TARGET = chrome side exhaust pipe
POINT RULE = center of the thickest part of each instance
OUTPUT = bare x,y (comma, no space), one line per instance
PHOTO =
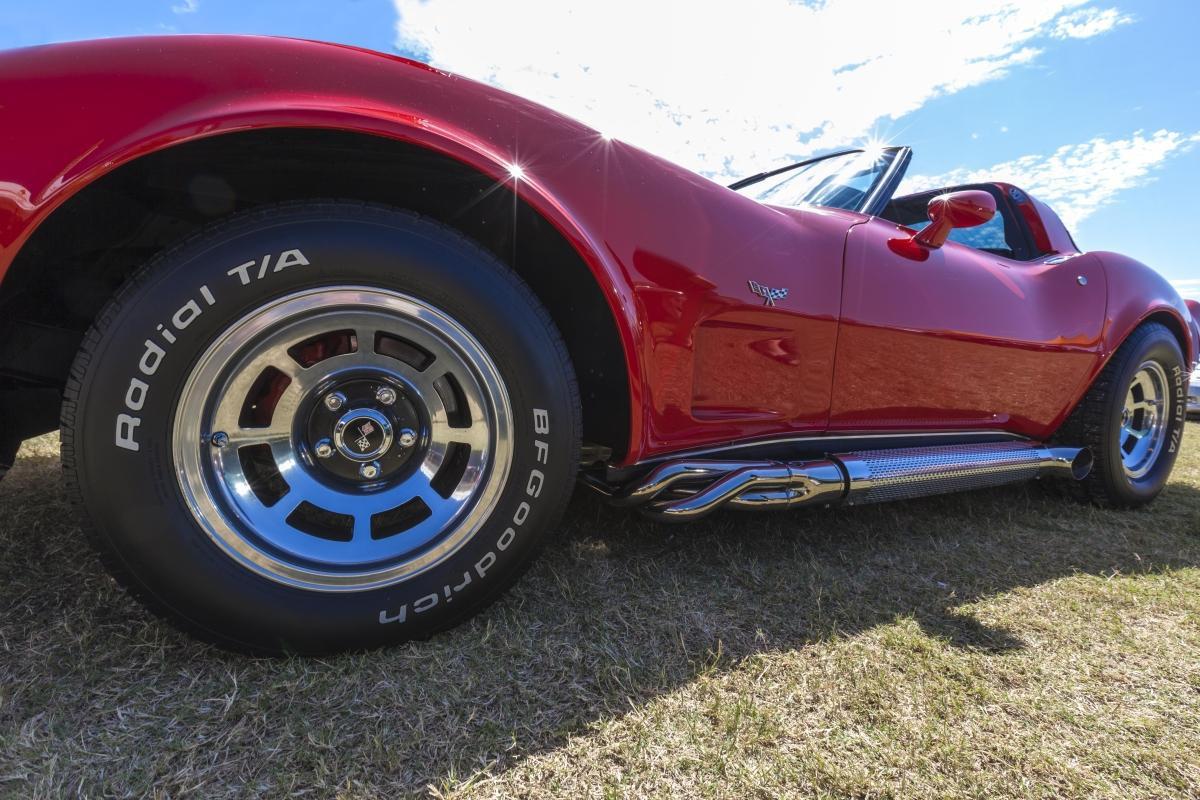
686,490
677,473
775,485
876,476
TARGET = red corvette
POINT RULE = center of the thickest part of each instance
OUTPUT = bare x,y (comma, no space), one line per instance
330,334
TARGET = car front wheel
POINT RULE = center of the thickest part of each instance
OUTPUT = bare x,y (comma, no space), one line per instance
321,426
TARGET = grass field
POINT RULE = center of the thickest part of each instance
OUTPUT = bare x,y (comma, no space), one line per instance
994,644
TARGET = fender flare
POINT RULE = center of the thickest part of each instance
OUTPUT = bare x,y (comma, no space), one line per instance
387,123
1136,293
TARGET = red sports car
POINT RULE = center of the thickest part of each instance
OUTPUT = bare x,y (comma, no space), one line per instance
329,335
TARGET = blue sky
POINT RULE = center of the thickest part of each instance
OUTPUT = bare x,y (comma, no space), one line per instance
1093,106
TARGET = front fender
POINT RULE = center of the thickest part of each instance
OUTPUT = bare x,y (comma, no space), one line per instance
72,113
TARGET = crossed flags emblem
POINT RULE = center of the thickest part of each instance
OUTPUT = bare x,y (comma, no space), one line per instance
768,294
364,432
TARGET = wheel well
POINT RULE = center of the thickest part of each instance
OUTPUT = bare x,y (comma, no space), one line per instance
86,249
1172,323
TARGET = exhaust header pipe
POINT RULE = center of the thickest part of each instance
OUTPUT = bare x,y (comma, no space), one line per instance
686,490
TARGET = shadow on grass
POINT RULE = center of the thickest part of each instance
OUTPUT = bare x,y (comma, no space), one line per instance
617,612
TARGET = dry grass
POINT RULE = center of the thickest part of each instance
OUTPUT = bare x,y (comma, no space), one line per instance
996,644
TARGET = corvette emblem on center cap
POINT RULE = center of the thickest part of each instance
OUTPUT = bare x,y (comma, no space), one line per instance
364,436
768,294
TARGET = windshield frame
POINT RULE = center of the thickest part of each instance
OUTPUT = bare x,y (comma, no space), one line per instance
875,199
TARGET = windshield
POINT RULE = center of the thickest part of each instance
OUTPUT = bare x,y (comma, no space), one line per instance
856,180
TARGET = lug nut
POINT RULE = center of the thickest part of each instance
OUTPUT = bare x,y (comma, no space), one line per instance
335,400
220,439
369,471
324,449
386,395
407,437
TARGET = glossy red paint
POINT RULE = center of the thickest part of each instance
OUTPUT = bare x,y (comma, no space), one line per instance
669,249
1137,293
1194,307
722,364
964,340
964,209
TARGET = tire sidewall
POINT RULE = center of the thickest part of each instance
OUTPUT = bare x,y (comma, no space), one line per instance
133,497
1160,346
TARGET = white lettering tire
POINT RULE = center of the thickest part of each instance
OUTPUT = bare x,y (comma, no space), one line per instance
321,426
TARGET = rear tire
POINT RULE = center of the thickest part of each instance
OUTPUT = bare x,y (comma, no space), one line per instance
1133,419
228,489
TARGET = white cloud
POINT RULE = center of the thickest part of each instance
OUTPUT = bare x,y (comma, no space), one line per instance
728,90
187,7
1088,22
1075,179
1188,287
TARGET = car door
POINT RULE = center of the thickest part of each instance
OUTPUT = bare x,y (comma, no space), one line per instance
727,364
741,293
967,339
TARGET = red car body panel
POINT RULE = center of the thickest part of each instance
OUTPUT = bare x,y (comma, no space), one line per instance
917,346
1136,292
1001,344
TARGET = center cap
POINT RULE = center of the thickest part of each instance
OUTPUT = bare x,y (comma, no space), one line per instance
362,434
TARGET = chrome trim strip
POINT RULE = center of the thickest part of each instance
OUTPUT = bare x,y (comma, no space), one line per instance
702,452
889,183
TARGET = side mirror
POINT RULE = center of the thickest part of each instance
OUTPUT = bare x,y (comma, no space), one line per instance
964,209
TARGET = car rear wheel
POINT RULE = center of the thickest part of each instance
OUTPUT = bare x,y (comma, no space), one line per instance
1132,418
321,426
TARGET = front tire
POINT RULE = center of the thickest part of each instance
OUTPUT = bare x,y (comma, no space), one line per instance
321,426
1133,419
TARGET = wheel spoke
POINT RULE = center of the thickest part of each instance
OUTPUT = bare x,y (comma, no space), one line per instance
1136,433
430,497
1138,388
249,437
475,404
362,528
287,505
306,487
228,414
477,437
423,384
366,336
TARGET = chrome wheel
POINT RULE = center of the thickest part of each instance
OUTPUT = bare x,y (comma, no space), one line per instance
1144,419
343,439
